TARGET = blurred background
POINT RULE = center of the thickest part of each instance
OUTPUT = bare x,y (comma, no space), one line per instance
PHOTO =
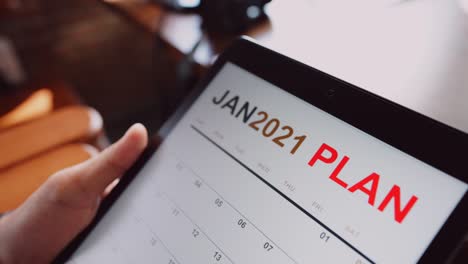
74,75
135,61
110,55
87,50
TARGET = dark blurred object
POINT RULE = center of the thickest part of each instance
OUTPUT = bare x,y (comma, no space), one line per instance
231,16
461,256
3,85
8,5
222,16
11,71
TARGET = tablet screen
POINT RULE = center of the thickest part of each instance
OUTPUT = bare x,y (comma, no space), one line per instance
252,174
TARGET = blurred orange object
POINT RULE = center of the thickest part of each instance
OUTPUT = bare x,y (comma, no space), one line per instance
18,182
70,124
39,103
41,132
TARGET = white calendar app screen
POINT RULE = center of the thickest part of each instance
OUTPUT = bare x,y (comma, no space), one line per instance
252,174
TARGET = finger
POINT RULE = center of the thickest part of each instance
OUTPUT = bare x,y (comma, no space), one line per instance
96,174
54,214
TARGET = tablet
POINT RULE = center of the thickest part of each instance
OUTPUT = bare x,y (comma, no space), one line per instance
272,161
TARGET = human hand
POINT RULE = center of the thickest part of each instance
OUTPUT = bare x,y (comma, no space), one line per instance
66,203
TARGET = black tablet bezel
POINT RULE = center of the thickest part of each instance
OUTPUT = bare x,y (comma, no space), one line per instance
419,136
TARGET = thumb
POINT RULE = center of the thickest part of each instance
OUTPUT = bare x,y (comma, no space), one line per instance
66,203
82,186
97,173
